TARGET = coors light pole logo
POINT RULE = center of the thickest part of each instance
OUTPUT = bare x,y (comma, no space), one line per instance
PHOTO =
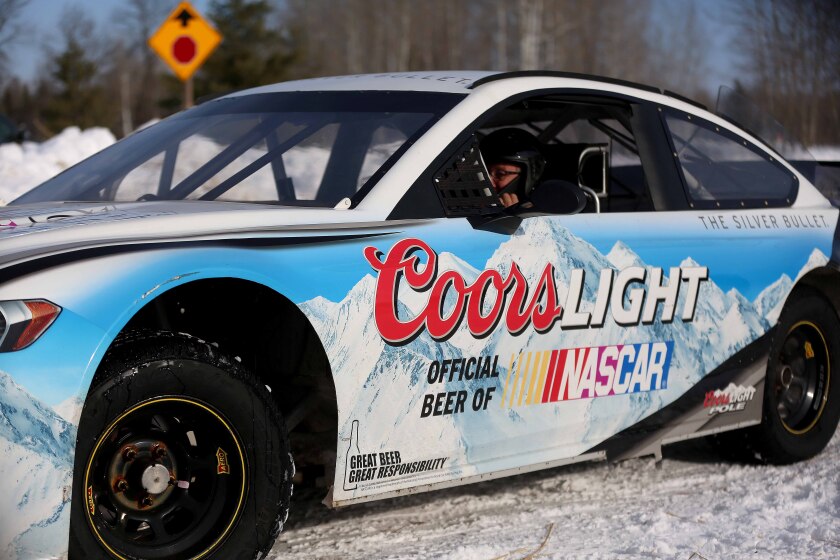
514,299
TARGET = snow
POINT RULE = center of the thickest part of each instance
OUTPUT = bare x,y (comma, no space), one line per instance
825,153
692,505
23,166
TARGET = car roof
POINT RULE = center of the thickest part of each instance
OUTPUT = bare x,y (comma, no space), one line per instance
438,81
456,81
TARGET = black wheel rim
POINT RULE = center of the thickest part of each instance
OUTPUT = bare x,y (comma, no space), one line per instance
165,480
802,379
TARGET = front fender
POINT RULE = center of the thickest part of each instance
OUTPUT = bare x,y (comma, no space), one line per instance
44,385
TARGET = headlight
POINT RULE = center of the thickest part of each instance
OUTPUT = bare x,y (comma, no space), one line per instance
23,321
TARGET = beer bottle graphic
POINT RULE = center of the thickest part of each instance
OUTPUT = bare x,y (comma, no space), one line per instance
352,449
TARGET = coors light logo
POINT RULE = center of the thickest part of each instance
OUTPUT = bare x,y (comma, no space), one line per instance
514,299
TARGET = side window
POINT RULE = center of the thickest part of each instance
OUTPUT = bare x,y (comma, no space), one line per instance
532,145
616,174
722,170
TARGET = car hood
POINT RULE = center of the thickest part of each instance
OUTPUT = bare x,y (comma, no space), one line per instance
30,231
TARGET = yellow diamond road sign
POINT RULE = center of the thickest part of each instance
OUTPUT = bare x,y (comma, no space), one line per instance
185,40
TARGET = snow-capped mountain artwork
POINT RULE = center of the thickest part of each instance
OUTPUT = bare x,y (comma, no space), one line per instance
351,339
31,424
388,401
38,447
768,304
816,259
621,256
771,296
70,409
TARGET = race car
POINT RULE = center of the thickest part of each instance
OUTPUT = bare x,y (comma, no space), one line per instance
330,273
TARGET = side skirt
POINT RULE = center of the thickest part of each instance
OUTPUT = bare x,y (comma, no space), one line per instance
693,415
685,418
593,456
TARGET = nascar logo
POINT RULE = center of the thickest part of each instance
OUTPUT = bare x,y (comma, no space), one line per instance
586,373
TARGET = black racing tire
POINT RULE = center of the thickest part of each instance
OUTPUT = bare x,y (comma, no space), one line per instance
181,453
802,389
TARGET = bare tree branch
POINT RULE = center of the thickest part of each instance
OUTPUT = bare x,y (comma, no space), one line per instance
11,30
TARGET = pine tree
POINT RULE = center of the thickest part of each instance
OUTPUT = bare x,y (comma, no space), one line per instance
77,99
252,53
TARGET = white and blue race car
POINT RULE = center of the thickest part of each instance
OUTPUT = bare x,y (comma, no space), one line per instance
404,282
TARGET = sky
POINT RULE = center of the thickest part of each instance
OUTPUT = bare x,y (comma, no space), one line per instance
42,17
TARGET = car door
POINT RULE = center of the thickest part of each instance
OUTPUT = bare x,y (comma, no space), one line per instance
597,355
590,322
533,338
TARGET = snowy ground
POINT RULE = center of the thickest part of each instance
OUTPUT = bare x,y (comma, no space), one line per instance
692,506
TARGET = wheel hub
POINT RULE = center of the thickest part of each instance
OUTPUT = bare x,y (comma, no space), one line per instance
801,387
157,487
142,474
156,479
786,376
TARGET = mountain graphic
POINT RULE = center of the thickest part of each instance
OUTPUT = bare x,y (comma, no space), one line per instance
37,447
391,373
770,301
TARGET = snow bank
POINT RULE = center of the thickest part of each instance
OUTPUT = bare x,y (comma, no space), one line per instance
23,166
825,153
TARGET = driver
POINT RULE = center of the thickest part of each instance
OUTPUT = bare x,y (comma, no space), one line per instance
514,163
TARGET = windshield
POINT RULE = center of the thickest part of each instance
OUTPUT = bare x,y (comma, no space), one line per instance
301,149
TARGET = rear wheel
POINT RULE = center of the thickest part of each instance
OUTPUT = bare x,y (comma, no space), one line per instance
181,454
802,391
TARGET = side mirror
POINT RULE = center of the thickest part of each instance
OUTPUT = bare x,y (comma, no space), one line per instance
553,197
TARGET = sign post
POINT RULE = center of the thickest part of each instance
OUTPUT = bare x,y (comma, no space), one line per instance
184,41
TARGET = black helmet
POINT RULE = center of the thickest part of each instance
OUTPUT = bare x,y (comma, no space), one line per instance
519,147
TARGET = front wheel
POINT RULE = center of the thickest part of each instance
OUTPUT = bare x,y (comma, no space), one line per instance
802,389
181,454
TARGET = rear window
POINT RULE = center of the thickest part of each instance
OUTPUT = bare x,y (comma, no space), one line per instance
722,170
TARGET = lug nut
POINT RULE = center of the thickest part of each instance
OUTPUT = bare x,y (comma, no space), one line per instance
159,451
146,501
121,485
129,453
